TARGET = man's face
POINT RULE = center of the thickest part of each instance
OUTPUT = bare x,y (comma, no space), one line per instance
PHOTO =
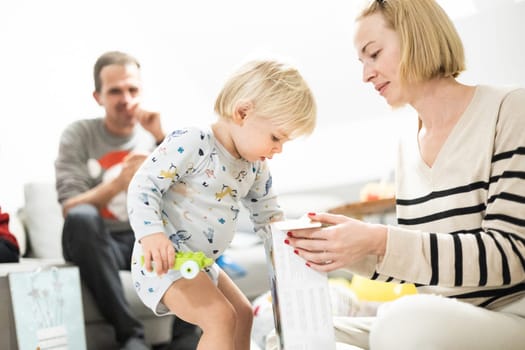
120,95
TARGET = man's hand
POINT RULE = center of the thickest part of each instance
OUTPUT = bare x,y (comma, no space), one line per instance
151,122
158,248
130,165
101,194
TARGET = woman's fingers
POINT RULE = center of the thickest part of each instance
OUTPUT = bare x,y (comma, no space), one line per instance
324,249
320,261
321,257
328,219
319,233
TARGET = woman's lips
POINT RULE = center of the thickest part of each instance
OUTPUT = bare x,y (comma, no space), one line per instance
381,88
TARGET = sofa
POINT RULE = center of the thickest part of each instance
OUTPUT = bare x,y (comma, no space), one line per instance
38,228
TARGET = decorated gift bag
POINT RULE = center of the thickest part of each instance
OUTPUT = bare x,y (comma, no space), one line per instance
47,307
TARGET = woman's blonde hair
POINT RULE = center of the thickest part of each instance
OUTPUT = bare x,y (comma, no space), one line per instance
276,91
430,44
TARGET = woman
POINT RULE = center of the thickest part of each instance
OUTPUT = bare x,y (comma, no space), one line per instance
460,189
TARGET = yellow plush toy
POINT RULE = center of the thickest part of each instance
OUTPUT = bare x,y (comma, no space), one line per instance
370,290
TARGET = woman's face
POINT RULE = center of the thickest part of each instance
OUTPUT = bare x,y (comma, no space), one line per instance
378,50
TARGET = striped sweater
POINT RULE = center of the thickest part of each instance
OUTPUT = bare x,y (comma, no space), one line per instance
461,222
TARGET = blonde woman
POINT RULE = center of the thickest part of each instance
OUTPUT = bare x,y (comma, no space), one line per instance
460,190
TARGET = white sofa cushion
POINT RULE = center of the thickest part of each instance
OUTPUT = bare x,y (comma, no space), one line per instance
17,229
43,219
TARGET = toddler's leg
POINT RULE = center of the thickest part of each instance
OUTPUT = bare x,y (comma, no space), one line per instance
200,302
243,310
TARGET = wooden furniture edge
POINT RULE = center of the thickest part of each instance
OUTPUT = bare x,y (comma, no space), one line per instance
360,209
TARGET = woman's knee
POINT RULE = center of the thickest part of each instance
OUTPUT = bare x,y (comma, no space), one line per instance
412,322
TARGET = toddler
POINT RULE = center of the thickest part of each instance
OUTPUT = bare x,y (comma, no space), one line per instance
187,195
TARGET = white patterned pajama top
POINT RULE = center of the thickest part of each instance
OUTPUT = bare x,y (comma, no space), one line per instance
191,188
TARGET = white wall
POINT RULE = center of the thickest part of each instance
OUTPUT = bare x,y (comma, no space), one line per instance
494,40
187,50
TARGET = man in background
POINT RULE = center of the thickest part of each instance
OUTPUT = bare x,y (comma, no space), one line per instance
96,160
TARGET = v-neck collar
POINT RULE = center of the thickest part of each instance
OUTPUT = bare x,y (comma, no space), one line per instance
450,140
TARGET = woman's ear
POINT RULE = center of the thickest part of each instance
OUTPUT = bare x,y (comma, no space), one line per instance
242,111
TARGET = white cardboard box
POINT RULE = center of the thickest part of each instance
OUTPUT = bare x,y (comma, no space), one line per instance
300,295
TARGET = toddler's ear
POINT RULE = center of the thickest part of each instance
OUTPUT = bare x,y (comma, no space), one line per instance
242,110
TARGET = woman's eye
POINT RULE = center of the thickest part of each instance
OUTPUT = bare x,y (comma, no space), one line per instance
375,54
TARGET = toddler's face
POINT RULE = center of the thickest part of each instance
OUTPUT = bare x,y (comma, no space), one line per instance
258,138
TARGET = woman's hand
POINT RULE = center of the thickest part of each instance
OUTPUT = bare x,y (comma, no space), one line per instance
342,241
158,249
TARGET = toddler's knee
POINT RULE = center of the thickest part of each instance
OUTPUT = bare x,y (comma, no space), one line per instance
222,315
245,313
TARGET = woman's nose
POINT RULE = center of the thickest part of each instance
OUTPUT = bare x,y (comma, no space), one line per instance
368,72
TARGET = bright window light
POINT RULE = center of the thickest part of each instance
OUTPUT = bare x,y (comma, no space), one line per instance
459,9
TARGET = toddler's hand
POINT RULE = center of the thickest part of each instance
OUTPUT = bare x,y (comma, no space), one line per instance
158,249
